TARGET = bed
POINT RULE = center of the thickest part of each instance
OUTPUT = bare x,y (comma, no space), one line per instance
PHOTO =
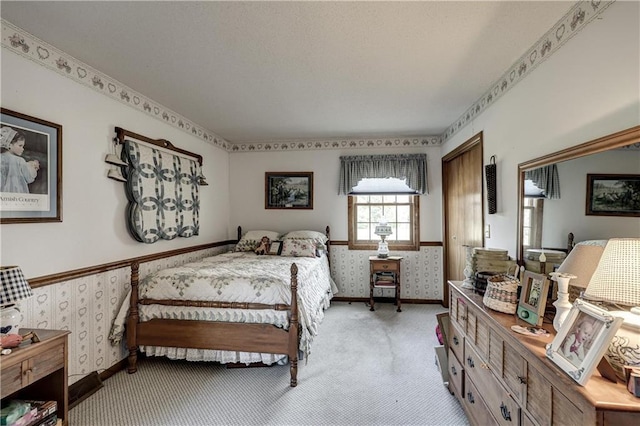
233,308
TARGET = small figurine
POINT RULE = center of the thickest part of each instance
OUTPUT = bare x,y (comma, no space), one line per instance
264,246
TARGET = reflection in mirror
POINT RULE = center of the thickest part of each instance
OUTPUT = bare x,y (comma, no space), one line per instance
552,200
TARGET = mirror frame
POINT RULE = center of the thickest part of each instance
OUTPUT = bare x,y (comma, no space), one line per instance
605,143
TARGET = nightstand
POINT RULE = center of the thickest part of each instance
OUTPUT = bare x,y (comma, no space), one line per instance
38,371
384,272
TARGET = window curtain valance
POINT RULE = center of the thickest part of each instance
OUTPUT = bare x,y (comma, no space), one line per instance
546,178
411,167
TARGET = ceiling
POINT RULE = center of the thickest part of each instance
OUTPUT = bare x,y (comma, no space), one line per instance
265,71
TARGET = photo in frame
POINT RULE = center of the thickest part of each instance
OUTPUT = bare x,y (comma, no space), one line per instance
30,170
288,190
582,340
613,195
533,298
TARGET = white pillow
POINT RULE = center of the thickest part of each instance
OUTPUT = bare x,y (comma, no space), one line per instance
306,235
257,235
250,240
298,247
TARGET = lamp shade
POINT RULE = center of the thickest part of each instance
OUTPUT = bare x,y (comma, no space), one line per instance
14,286
617,276
383,229
581,262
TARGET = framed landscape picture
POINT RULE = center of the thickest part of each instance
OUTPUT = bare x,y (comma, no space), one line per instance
288,190
31,169
613,195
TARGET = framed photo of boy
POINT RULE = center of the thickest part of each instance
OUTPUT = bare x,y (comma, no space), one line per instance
288,190
582,340
30,169
613,195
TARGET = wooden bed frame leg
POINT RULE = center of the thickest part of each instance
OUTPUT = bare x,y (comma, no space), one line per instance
294,372
132,320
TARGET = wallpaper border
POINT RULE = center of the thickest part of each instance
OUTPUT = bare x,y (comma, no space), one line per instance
24,44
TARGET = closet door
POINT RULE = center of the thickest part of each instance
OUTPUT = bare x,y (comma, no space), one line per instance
463,208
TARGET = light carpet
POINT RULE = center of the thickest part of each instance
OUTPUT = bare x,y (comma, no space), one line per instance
365,368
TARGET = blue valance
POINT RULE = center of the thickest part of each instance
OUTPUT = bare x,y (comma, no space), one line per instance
410,167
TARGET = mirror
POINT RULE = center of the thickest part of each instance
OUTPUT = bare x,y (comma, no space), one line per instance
546,222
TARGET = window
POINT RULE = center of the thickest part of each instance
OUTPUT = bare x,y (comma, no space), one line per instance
532,222
401,211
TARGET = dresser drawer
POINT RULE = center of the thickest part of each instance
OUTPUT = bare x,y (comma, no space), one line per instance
456,376
475,367
382,265
475,405
32,369
505,410
456,341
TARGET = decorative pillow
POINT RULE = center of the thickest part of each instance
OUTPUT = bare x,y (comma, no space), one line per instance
311,235
251,239
298,248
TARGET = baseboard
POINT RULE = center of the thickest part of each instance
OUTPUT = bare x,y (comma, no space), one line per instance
83,388
387,299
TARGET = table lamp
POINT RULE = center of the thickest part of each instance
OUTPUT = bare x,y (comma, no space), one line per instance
383,230
14,289
575,270
616,280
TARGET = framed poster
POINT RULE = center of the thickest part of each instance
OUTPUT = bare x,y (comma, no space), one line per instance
613,195
30,170
288,190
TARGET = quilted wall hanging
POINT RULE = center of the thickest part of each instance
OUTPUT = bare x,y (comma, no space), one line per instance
162,189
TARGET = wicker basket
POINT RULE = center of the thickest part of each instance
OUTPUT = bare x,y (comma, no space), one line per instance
502,294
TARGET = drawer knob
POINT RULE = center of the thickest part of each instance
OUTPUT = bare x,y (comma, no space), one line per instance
470,398
506,414
453,370
455,340
522,380
470,362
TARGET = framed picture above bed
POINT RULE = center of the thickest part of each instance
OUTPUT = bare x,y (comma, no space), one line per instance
613,195
31,169
288,190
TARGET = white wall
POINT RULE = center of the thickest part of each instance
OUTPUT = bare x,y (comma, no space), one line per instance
93,230
587,89
567,214
247,191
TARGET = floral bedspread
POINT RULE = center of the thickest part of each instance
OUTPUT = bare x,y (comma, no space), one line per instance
235,277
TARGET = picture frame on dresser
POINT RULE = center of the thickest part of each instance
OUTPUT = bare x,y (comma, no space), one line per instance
582,340
31,169
533,298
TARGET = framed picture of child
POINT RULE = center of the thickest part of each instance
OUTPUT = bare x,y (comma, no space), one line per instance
582,340
30,169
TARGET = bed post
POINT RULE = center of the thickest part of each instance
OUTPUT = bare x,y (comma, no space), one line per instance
132,320
293,327
239,233
328,234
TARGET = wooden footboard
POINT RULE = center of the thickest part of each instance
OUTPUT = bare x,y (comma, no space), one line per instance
244,337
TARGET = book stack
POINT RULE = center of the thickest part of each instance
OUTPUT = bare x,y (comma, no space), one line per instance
384,279
493,260
18,412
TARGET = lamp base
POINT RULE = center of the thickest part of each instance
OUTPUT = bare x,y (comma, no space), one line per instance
9,320
383,249
563,306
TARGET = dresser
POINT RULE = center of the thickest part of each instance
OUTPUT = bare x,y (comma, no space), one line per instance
502,377
38,371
